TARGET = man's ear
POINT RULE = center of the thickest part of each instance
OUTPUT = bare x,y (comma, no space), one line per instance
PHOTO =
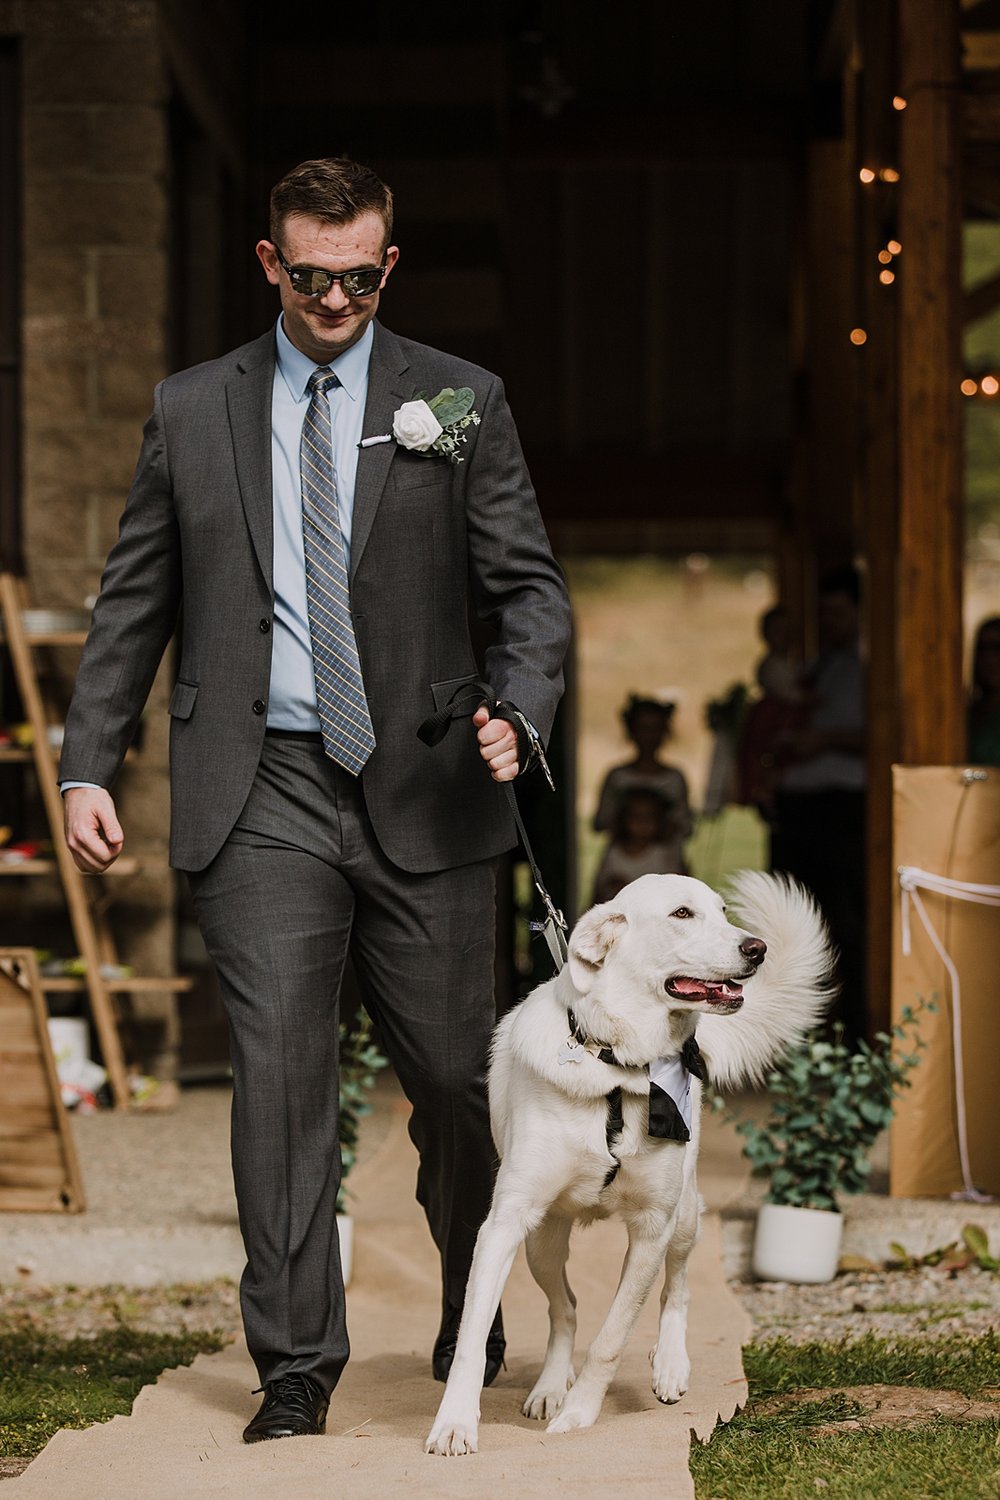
591,941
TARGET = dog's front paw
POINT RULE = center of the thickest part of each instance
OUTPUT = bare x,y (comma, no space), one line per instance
574,1415
671,1374
453,1435
546,1398
451,1438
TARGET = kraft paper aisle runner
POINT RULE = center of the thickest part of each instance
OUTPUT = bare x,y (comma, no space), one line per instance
183,1438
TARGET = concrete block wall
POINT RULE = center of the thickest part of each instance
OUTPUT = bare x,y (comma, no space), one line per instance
96,207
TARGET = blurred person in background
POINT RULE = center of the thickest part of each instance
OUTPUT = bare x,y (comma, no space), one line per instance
648,723
645,840
818,834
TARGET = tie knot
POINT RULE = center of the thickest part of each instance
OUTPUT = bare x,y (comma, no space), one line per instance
322,380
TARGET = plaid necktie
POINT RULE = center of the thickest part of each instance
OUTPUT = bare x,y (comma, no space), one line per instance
340,691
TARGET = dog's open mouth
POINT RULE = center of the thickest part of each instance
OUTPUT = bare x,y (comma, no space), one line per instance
725,993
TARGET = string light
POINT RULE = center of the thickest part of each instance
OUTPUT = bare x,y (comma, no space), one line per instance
898,102
889,174
894,247
969,386
989,385
887,277
866,174
858,336
885,256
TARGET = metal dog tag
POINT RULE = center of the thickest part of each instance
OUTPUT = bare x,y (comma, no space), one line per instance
570,1051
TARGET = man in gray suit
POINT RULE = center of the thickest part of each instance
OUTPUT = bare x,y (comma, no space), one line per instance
327,548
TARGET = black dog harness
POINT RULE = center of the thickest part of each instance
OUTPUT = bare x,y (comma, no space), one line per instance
666,1123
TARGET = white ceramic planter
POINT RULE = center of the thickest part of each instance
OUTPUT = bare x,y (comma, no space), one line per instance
796,1244
345,1228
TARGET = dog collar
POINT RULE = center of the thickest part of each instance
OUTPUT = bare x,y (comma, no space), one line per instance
669,1087
578,1041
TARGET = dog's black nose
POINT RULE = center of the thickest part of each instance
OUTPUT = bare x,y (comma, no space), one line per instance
753,949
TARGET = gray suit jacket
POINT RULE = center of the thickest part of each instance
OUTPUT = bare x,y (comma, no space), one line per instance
428,538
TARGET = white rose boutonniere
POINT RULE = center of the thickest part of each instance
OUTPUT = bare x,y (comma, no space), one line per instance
436,427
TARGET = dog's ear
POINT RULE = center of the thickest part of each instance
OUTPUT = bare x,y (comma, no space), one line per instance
591,941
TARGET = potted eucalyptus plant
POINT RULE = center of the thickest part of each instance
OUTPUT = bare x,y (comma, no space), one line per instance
828,1105
360,1061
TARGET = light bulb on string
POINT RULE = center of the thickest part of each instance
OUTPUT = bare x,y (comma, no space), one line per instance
894,247
885,256
888,174
867,175
969,386
887,277
859,336
898,102
989,385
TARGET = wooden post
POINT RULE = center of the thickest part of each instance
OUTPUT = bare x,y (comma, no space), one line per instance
877,147
929,619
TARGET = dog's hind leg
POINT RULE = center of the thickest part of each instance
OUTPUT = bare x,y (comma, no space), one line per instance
646,1249
547,1249
671,1365
456,1426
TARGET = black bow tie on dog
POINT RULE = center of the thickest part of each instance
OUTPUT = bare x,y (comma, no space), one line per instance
666,1123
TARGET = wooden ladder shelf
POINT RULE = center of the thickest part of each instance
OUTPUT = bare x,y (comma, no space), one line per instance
84,894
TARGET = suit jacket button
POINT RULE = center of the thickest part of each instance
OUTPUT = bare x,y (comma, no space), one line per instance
265,625
259,706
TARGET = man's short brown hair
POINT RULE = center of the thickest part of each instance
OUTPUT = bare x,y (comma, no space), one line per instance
333,189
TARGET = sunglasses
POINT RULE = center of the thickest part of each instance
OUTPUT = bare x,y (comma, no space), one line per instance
311,281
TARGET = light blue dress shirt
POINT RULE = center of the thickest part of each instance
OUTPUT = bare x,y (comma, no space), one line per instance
292,698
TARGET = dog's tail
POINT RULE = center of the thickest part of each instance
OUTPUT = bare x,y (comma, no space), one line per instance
790,993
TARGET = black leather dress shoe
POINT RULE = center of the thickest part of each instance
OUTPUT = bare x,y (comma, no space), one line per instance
444,1346
293,1406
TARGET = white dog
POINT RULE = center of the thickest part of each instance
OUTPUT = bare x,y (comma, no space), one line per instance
572,1104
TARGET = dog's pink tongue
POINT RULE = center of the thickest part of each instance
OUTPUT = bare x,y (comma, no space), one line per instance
683,986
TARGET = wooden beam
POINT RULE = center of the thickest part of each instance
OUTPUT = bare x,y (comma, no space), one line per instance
929,617
877,141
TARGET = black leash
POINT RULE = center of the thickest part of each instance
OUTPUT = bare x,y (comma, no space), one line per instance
464,703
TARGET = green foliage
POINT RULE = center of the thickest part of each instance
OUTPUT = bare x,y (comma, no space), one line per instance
451,406
829,1105
360,1060
47,1382
974,1250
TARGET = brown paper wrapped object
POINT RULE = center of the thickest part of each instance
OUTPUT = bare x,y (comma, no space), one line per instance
947,823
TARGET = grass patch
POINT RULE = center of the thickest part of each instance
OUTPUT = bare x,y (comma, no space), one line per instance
954,1364
775,1461
779,1457
47,1383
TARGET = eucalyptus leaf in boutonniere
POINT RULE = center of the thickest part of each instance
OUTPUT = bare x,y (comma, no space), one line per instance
436,427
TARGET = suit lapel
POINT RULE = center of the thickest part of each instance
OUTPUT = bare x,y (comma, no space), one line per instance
248,396
387,389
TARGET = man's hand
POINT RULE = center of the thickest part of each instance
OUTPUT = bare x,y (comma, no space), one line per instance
497,744
93,832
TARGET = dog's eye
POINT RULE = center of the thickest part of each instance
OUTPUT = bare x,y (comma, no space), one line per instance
682,911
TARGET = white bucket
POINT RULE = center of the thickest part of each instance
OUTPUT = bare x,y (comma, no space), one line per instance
796,1244
70,1039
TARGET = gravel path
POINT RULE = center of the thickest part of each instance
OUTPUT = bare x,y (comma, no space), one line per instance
929,1303
926,1303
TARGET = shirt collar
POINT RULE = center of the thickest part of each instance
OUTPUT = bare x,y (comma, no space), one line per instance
351,367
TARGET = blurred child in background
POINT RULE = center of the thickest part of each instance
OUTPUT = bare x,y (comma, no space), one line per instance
664,825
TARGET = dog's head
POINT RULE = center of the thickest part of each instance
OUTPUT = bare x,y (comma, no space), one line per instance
667,934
